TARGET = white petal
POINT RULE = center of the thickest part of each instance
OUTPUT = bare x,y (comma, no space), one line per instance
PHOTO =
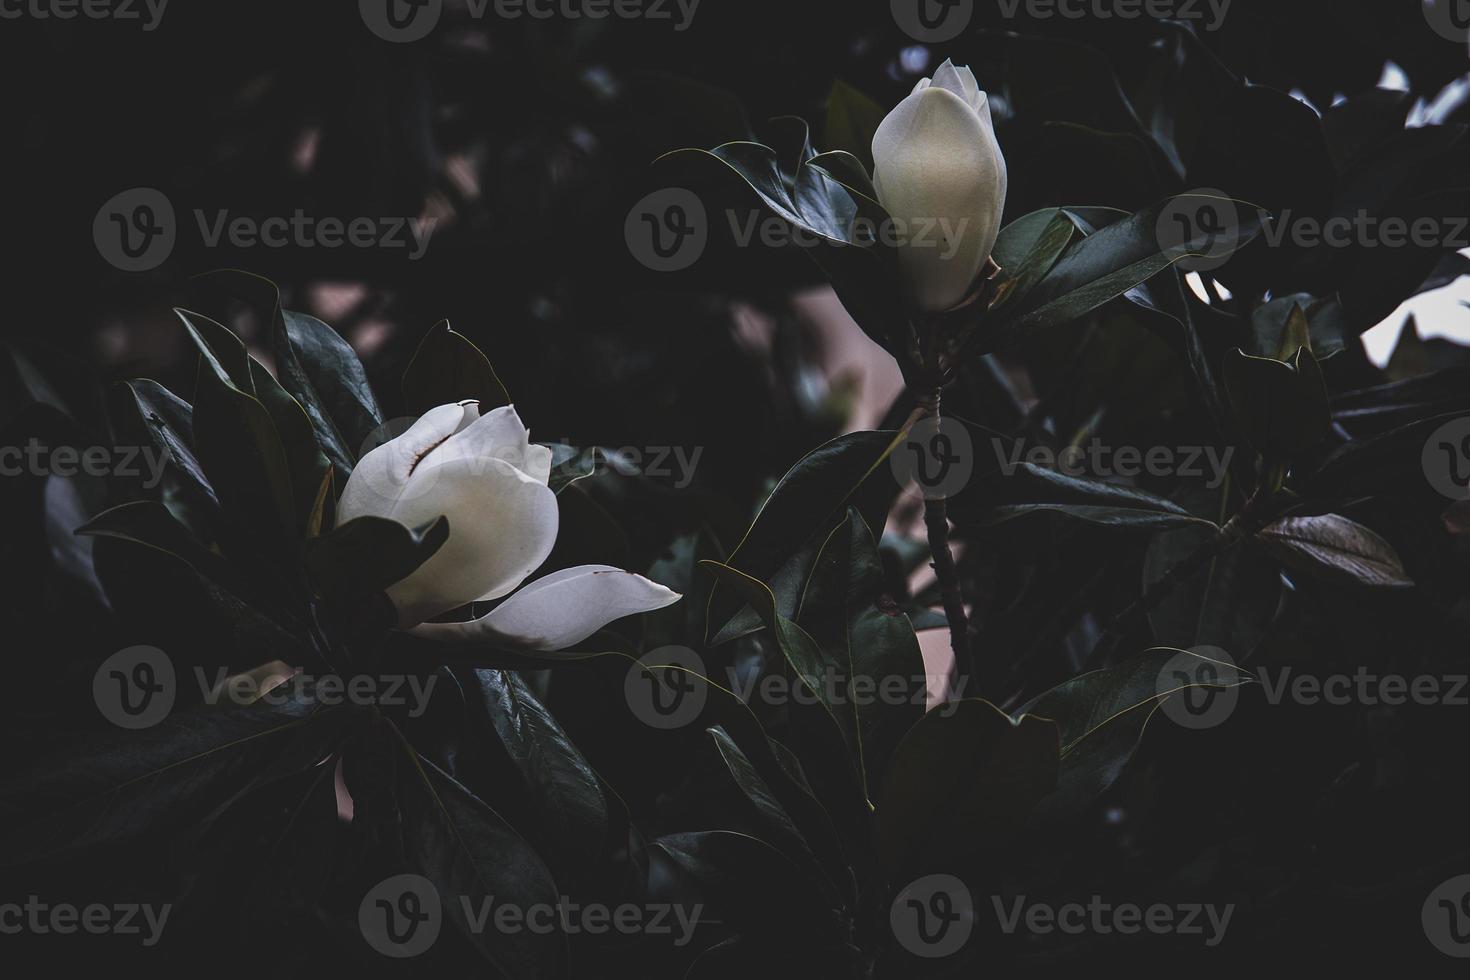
381,476
560,609
937,167
960,81
502,525
922,84
538,463
499,435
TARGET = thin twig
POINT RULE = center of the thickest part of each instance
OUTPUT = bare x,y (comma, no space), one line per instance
936,524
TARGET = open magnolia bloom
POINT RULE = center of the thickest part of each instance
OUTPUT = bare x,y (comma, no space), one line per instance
485,476
939,172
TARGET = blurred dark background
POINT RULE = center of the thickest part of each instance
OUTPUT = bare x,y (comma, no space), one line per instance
527,142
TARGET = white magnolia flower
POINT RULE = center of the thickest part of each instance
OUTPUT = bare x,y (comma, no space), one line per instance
483,474
939,172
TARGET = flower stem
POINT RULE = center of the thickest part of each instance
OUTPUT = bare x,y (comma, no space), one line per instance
936,523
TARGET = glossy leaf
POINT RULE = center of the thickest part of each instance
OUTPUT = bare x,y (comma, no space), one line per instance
1037,489
368,554
1332,547
812,496
964,777
869,640
446,368
1102,714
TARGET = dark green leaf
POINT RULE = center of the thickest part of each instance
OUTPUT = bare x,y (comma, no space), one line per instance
809,499
368,554
562,785
144,408
1034,489
1102,714
780,832
869,640
449,368
852,119
1103,266
120,785
477,862
964,777
1281,407
1334,548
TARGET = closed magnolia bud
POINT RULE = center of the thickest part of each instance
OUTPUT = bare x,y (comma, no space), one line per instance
939,173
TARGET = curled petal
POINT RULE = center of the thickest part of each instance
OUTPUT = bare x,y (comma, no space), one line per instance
502,525
498,435
382,475
960,81
560,609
